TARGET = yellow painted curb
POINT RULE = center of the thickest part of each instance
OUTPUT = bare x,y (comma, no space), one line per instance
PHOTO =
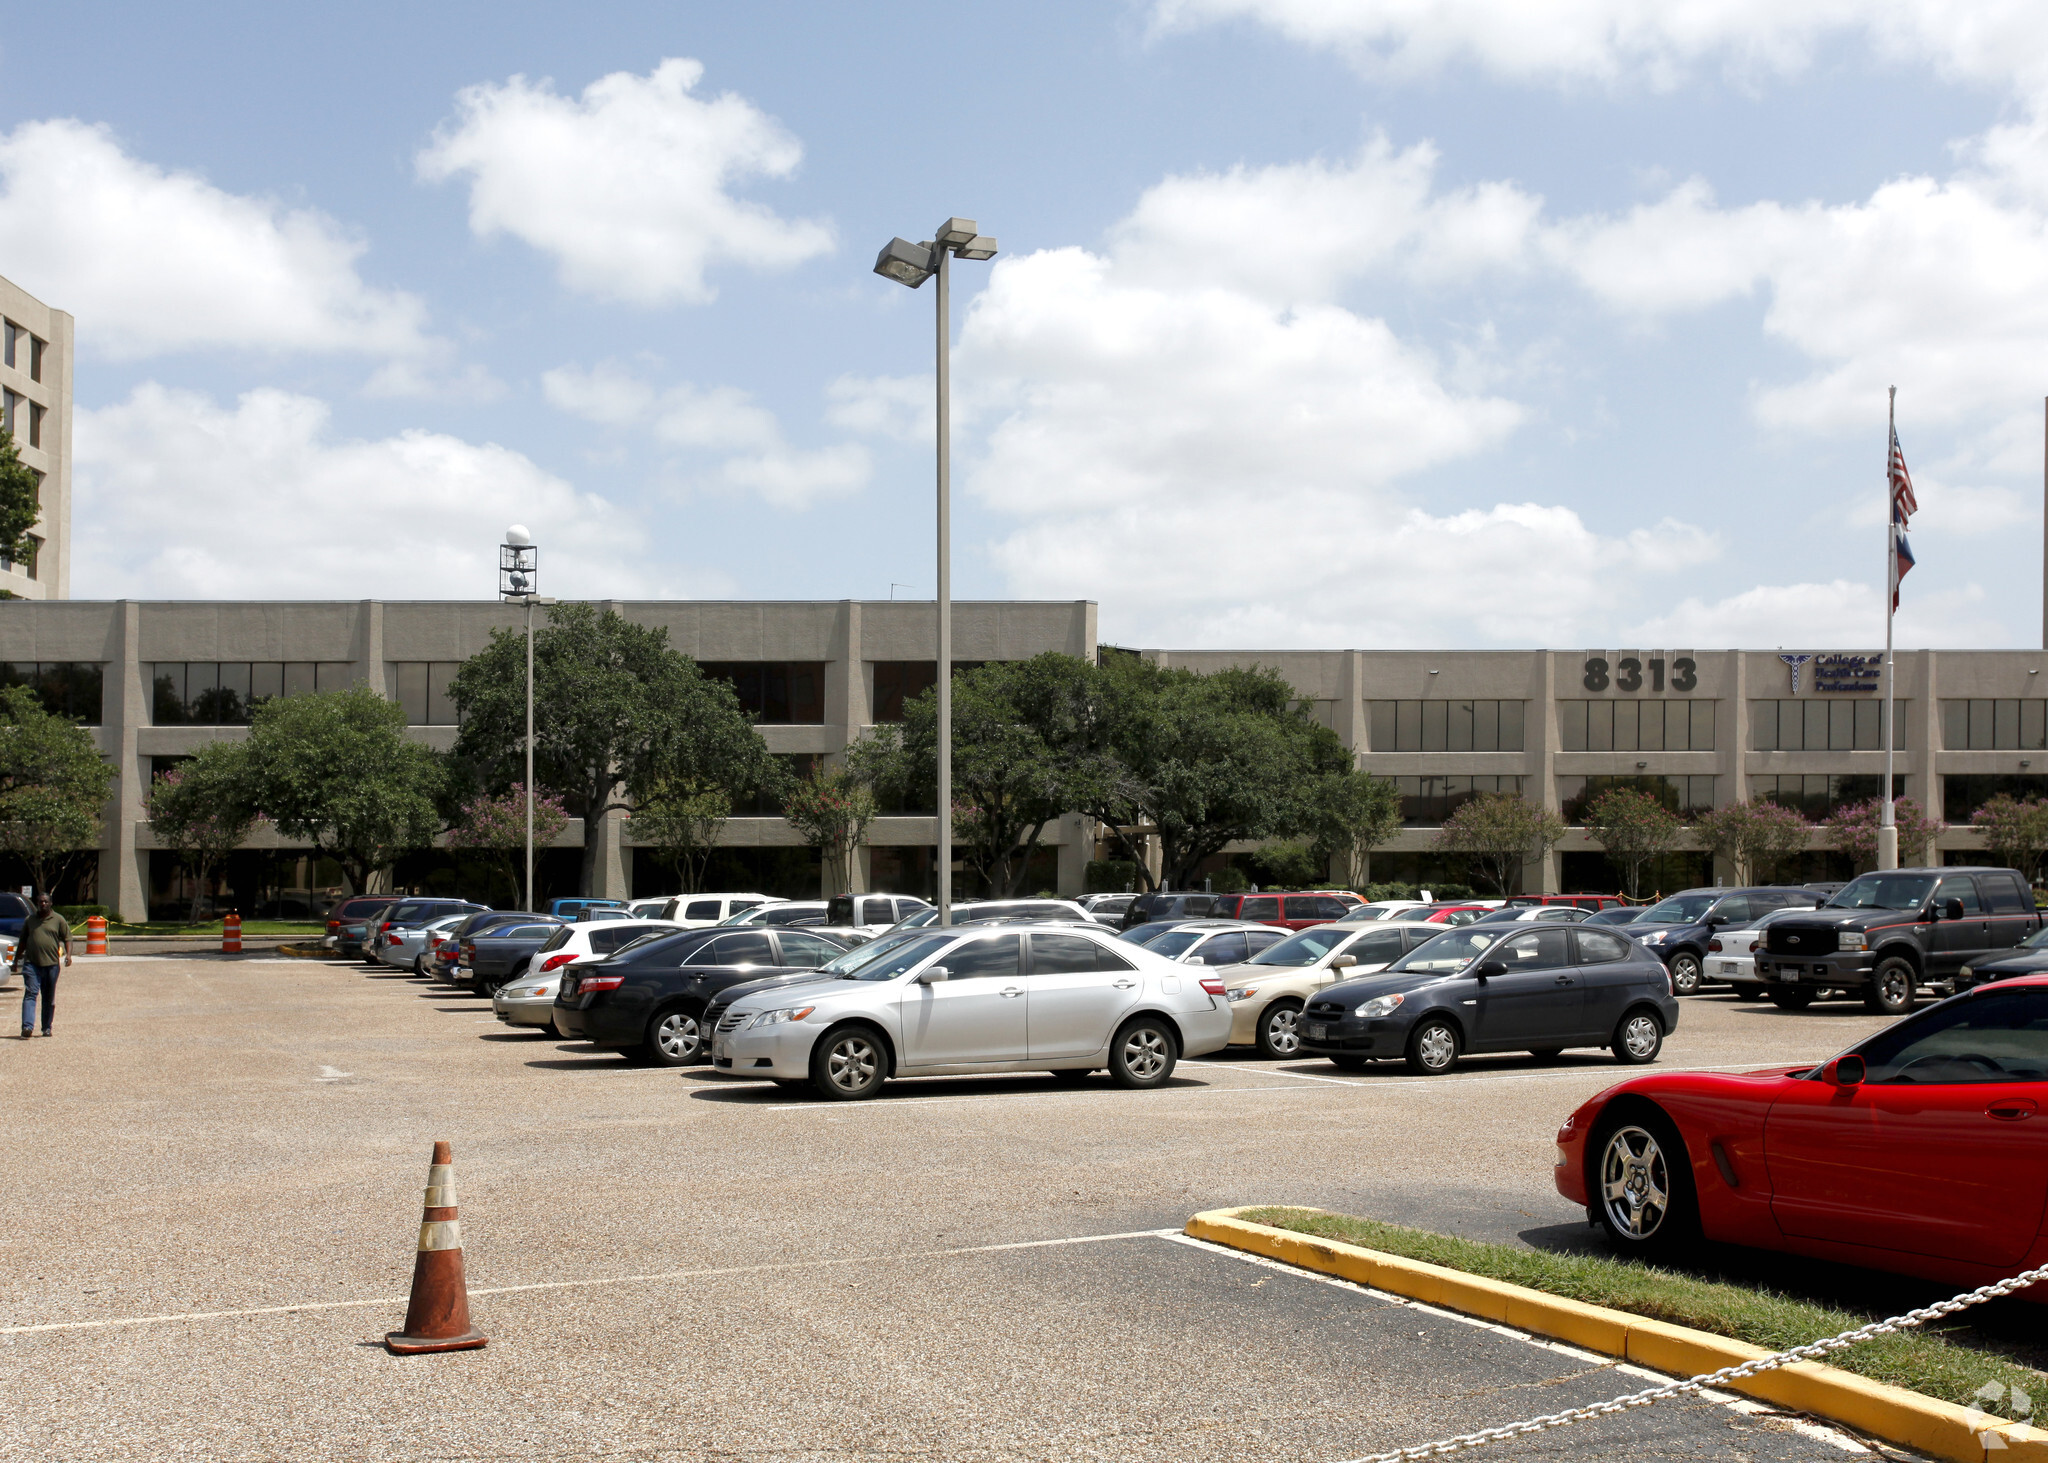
1891,1413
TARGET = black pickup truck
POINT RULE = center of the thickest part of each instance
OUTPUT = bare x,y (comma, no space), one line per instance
649,1001
1891,933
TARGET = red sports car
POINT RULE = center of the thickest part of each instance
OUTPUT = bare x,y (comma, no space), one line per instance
1921,1150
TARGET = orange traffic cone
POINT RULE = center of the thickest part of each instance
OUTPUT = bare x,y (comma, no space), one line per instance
438,1317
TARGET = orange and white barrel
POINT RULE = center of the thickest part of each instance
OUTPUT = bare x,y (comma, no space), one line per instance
96,935
231,934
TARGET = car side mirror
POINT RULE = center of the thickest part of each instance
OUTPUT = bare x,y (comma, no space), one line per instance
1343,962
935,975
1952,909
1490,968
1717,920
1847,1071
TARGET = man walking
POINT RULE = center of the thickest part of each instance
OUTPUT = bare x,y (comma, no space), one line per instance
45,947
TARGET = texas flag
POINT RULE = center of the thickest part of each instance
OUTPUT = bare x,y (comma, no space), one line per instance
1904,505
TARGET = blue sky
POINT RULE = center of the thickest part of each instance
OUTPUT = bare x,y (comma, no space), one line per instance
1318,322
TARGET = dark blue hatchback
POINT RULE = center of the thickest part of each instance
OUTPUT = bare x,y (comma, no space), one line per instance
1676,930
13,911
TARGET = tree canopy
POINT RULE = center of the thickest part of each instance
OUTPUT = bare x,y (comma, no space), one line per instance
337,770
1852,829
2015,832
54,786
1498,832
202,810
1633,827
618,715
19,507
1756,837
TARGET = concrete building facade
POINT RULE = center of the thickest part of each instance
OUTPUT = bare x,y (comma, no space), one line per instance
35,405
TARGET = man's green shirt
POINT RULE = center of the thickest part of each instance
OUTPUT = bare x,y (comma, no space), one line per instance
45,939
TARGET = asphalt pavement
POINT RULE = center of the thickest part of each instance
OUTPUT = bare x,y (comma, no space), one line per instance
213,1188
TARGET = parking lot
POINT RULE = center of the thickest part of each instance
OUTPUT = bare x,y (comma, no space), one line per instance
680,1265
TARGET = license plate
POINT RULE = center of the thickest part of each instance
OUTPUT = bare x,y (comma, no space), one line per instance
1727,967
1789,974
1317,1031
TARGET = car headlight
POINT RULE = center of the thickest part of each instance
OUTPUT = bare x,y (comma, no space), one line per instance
1241,993
1655,937
1849,940
1380,1006
1965,973
787,1013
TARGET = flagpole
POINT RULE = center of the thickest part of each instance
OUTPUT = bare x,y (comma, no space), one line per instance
1887,826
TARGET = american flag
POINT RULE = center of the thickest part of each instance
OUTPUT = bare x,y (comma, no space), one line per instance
1904,506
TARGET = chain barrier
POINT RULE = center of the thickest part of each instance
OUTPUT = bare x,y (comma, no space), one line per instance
1812,1351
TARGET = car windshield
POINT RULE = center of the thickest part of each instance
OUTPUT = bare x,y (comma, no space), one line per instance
1305,948
1145,934
1771,917
1616,917
860,955
1884,891
2037,940
902,958
1450,951
1173,943
1679,909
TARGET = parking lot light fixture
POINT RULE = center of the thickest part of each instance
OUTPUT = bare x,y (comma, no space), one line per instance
519,583
912,264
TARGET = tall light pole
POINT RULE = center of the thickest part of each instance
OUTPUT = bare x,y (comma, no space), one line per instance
912,264
519,583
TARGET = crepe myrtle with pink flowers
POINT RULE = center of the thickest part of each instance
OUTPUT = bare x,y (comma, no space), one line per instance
495,824
1852,829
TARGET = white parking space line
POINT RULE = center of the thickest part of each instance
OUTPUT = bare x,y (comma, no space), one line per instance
1037,1094
596,1281
1478,1077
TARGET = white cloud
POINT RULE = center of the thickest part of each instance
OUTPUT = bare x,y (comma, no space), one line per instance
902,407
718,419
628,188
150,260
180,497
1842,614
1656,43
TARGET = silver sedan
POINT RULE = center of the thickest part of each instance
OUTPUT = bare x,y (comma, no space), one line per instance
529,1001
1067,999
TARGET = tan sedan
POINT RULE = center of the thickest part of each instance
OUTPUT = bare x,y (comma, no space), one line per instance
1267,992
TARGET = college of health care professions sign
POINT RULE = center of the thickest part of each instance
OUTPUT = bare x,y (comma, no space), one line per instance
1836,672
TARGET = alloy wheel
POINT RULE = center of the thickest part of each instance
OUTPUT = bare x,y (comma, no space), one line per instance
1635,1182
852,1062
678,1036
1146,1053
1685,974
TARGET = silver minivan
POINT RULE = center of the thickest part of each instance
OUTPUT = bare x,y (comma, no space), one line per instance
1069,1000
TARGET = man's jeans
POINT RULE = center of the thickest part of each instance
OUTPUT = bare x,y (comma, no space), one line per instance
34,977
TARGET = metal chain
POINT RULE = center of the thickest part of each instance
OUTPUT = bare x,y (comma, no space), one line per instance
1812,1351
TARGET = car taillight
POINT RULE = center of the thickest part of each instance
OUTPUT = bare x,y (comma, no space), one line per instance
1213,985
1713,944
599,983
385,926
394,940
554,960
433,942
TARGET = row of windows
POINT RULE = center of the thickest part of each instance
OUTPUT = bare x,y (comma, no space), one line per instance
898,681
225,693
1815,795
1444,726
1819,724
1635,726
1994,726
421,687
69,688
11,414
1685,796
13,339
1427,801
774,692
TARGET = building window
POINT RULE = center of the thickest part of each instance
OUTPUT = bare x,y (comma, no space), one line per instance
775,692
68,688
1963,794
225,693
898,681
1635,726
1994,726
757,804
36,347
1822,724
35,425
1685,796
12,333
421,687
10,409
27,567
1427,801
1444,726
1817,794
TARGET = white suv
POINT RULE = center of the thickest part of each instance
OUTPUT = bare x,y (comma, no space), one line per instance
694,911
1069,1000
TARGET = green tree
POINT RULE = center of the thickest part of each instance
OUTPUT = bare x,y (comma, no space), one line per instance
679,827
1632,828
201,810
1019,743
337,770
495,825
1352,813
19,507
1755,837
2015,832
1498,832
831,809
618,713
54,787
1852,829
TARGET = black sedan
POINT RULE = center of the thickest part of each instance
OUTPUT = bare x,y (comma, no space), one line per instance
649,999
1491,988
2029,957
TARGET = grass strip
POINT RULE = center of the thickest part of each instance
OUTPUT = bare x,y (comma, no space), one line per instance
1919,1360
178,927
